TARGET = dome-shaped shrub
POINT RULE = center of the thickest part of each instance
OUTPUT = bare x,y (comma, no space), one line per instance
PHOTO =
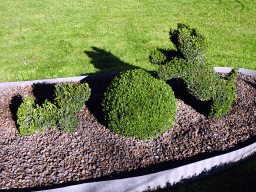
135,104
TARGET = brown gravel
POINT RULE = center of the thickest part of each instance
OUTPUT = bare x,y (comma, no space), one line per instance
92,153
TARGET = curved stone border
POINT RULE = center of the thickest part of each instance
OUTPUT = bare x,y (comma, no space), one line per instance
161,179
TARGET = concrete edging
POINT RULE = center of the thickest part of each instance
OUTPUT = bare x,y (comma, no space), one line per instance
159,179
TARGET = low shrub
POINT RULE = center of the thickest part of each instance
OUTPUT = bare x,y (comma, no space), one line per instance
199,77
135,104
69,98
32,118
66,120
189,42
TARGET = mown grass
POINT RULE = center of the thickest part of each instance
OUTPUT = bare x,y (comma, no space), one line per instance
50,39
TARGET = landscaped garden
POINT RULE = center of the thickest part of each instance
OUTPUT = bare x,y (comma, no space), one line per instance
76,38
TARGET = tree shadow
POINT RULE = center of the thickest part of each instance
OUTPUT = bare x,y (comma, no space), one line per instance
107,62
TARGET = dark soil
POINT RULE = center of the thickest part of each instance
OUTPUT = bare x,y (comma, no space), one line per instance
92,153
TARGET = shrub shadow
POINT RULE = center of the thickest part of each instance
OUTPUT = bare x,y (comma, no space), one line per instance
250,83
42,92
107,62
171,54
98,87
15,103
180,92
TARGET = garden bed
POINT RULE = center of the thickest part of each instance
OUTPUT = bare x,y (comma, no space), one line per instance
93,153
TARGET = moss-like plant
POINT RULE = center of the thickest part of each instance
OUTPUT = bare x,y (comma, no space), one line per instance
71,96
201,82
135,104
176,68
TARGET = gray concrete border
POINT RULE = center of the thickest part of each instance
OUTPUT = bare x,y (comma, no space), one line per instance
160,179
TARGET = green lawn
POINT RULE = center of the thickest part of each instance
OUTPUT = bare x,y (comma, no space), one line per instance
52,38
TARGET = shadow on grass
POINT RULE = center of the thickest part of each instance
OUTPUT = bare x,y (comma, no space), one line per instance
107,62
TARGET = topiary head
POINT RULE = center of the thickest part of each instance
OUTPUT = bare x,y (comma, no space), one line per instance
190,42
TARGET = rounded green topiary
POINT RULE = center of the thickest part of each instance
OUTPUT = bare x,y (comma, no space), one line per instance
135,104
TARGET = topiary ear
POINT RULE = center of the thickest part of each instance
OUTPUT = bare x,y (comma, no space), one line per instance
190,42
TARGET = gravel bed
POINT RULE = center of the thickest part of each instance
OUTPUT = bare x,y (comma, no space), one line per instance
92,153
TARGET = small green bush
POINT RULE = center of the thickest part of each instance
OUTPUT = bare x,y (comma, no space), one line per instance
66,120
33,118
189,42
136,104
69,98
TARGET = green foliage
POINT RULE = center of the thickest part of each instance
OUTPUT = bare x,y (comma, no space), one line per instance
136,104
33,118
69,98
201,82
66,120
225,95
176,68
189,42
156,56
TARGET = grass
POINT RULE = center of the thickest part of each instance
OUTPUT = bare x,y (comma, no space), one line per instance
52,38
